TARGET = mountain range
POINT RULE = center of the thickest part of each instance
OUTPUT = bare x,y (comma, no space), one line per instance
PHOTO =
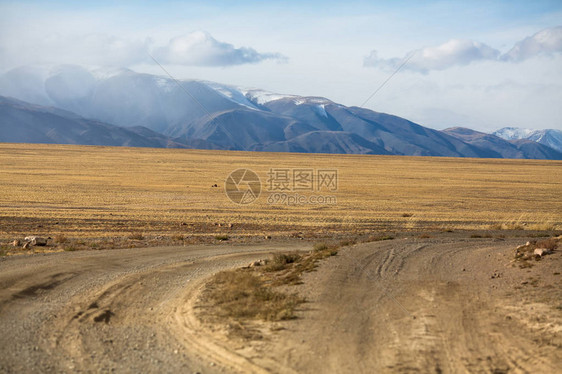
75,105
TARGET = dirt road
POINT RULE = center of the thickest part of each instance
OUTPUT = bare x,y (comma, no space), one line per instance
444,305
112,310
438,305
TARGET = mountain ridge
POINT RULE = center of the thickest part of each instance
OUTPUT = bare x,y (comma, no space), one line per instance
156,110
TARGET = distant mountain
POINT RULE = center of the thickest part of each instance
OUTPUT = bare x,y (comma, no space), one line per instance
123,107
21,122
501,148
549,137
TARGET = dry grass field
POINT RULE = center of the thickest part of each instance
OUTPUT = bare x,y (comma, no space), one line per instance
93,191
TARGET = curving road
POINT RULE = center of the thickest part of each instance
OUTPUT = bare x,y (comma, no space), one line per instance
112,311
443,305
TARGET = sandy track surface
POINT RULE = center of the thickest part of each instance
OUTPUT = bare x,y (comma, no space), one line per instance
117,310
442,305
428,306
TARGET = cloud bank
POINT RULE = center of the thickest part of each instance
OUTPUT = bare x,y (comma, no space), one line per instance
456,52
195,49
545,42
201,49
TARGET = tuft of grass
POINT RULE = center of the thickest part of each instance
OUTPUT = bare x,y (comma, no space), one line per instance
179,237
60,239
70,248
245,295
375,238
321,246
281,261
347,242
222,237
136,236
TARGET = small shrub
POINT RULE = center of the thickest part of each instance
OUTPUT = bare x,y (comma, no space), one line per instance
281,261
407,215
70,248
136,236
244,295
221,237
379,238
347,242
178,237
60,239
551,244
321,246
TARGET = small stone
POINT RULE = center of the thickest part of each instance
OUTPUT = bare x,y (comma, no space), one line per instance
541,251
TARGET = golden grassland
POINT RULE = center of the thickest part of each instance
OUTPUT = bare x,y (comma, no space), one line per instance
95,191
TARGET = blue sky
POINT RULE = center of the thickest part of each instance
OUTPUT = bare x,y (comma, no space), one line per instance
480,64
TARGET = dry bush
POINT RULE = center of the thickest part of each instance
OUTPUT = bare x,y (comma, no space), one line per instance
378,238
60,239
320,246
136,236
281,261
347,242
244,295
551,244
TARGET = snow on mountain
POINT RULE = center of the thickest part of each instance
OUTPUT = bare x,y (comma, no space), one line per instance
549,137
512,133
235,94
262,97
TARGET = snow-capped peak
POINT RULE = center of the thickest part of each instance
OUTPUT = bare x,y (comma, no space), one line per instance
512,133
263,97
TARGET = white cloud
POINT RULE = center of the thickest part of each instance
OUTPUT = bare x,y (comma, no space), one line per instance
196,49
545,42
458,52
201,49
455,52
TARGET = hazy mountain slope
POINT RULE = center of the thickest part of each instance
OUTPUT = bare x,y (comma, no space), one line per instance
210,115
548,137
21,122
324,142
505,148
